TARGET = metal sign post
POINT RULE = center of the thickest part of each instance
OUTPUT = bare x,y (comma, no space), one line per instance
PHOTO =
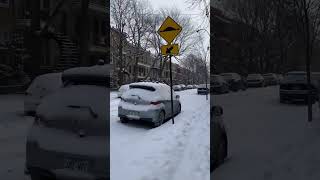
169,30
171,89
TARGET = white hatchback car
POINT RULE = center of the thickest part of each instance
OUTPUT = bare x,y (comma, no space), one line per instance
40,87
123,89
146,101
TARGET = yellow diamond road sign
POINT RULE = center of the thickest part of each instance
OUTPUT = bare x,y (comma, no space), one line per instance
172,49
169,30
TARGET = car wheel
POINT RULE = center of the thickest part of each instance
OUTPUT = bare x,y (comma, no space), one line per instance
161,118
124,120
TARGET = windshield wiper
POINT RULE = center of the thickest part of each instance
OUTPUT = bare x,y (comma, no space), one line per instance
94,114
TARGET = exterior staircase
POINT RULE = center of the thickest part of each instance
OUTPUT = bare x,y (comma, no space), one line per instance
69,52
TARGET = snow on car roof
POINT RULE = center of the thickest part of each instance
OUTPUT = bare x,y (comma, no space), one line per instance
97,70
49,81
151,84
92,73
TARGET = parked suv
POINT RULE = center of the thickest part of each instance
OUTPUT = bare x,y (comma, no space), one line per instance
218,138
235,81
294,87
68,139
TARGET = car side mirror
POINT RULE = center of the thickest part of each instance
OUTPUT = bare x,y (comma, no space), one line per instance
177,96
217,111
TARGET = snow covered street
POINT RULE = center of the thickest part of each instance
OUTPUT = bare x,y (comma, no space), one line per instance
268,140
179,151
13,129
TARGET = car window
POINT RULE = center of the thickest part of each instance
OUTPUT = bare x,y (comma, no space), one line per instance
149,88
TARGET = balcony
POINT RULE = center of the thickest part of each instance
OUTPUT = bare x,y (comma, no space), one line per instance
94,5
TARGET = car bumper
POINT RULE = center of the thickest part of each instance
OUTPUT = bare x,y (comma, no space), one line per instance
150,115
203,92
45,157
295,95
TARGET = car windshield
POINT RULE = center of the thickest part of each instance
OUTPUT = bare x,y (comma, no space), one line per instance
149,88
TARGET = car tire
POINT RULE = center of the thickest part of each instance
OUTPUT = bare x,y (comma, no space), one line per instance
124,120
160,121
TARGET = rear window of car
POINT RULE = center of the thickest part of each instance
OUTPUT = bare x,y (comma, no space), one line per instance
148,88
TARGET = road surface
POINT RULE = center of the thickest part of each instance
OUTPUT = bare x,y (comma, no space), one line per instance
268,140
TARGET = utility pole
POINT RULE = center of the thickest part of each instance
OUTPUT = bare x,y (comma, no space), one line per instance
84,39
171,93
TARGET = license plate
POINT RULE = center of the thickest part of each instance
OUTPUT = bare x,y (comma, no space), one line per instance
133,113
76,165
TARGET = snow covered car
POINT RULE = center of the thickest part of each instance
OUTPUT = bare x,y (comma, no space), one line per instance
218,84
69,139
218,138
294,87
123,89
176,87
255,80
235,81
146,101
203,89
183,87
40,87
270,79
190,87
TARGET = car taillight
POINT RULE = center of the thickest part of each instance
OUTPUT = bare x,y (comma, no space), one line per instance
155,103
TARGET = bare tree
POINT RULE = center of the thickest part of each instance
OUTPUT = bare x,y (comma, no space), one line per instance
119,13
185,39
139,29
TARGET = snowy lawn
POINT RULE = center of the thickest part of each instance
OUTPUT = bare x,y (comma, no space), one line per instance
268,140
173,152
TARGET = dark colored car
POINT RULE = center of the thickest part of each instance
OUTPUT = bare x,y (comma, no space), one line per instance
218,85
255,80
270,79
218,138
235,81
203,89
294,87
